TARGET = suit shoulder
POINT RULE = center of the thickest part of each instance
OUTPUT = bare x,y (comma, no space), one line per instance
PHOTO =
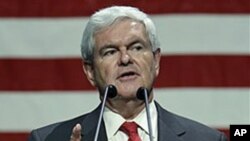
188,128
199,130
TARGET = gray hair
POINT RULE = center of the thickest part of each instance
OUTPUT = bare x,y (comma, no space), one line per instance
106,17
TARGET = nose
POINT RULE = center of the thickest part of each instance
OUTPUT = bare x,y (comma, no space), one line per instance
125,58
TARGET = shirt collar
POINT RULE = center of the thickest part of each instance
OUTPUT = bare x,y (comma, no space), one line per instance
141,119
113,124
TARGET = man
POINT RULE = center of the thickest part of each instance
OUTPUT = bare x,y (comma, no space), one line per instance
120,47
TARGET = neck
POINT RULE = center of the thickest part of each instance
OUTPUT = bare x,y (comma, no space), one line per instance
128,108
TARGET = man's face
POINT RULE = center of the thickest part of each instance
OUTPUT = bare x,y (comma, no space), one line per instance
123,57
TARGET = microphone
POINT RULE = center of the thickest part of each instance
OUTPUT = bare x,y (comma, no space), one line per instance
111,92
143,94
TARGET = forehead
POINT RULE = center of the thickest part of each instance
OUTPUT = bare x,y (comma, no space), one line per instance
121,30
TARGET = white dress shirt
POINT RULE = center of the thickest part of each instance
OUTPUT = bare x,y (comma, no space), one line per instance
113,121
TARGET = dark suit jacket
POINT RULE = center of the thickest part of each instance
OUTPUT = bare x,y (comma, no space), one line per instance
171,127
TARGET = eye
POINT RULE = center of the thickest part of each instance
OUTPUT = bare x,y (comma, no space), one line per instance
109,52
137,47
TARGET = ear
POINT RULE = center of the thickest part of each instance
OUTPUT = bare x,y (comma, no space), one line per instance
89,72
157,58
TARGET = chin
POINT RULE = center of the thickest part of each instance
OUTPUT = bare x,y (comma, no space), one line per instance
127,94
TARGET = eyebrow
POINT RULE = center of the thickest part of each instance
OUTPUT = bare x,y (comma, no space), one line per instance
131,42
135,42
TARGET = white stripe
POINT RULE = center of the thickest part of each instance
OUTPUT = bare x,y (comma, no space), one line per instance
214,107
27,110
23,111
60,37
204,34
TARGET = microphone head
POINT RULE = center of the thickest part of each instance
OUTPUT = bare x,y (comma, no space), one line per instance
140,93
112,92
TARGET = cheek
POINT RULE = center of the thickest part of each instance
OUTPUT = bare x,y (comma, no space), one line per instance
146,68
149,68
101,71
105,71
148,63
152,70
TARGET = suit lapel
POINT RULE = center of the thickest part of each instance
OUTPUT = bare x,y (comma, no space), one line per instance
169,129
165,133
89,125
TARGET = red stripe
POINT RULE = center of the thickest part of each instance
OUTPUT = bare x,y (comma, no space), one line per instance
64,8
205,71
23,136
176,71
14,136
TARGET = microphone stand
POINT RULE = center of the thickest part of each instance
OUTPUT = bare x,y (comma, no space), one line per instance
111,92
143,94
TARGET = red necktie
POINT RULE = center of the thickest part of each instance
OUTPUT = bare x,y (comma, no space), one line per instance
130,128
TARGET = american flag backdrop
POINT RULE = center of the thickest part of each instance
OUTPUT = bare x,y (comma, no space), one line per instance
205,66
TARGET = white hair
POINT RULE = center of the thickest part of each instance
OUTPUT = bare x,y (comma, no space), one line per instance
106,17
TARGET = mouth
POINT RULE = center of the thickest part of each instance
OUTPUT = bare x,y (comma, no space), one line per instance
125,76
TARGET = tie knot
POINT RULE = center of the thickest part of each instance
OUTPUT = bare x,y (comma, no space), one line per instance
129,128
